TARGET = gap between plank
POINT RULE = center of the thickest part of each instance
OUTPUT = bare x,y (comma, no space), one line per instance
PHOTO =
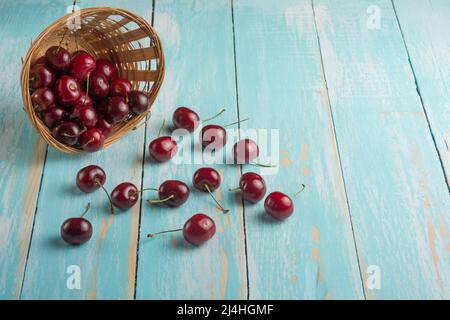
239,134
338,151
420,97
144,148
34,220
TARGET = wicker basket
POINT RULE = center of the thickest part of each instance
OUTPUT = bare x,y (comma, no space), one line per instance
107,33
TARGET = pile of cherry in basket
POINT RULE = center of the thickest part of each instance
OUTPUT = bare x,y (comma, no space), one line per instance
80,98
174,193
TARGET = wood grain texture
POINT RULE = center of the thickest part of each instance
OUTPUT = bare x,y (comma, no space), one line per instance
396,190
429,49
198,41
22,153
107,262
311,255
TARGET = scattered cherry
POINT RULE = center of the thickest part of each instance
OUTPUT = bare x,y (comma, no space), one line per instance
244,151
163,149
82,65
120,87
213,136
185,118
172,193
98,86
208,180
85,115
54,116
67,132
42,99
90,178
252,187
78,230
58,58
92,140
138,102
279,205
41,76
67,91
107,69
117,110
197,230
125,195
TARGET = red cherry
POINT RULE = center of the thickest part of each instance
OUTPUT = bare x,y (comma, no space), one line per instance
105,126
125,195
92,140
197,230
67,132
85,100
244,151
163,149
185,118
85,115
78,230
54,116
41,76
117,110
90,178
40,60
213,136
208,180
42,99
279,205
252,187
120,87
107,69
205,178
58,58
67,91
98,86
138,102
172,193
81,66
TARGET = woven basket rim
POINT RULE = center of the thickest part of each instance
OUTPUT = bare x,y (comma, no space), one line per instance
59,23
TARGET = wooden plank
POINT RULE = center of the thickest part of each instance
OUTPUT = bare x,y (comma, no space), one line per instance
108,262
22,153
197,37
281,86
428,47
395,185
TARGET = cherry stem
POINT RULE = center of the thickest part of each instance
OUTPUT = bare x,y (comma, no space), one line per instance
213,117
162,200
87,88
234,189
269,165
300,191
86,209
147,118
160,129
111,207
87,143
151,235
229,125
215,200
74,135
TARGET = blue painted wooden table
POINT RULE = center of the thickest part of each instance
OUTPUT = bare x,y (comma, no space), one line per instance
360,94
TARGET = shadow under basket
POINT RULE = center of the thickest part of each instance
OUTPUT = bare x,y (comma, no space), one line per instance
122,37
